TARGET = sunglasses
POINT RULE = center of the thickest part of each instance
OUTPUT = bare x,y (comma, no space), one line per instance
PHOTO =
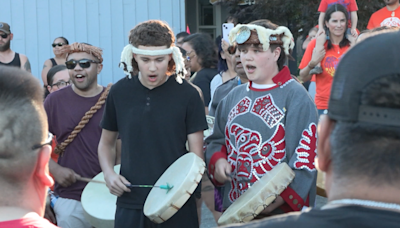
47,142
84,63
4,36
58,44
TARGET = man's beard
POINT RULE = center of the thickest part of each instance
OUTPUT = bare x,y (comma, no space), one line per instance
5,46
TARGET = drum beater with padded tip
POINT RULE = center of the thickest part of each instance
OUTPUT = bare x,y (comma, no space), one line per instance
166,187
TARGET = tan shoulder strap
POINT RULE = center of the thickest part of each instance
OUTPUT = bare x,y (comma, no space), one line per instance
60,148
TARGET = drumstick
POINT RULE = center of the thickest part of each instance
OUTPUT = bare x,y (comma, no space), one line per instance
166,187
85,179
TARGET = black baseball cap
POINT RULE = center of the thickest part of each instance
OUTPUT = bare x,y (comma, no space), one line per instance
367,61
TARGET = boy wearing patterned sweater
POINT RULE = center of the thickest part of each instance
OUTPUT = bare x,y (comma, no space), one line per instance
265,122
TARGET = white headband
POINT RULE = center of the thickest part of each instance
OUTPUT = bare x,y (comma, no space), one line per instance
127,56
264,35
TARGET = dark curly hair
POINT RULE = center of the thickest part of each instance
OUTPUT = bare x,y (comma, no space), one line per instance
205,49
152,33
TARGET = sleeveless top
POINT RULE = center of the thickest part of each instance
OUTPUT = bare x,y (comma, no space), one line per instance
53,62
15,62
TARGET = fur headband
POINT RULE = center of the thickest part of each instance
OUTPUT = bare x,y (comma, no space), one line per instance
129,50
281,35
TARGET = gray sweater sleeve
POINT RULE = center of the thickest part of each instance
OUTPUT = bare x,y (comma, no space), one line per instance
216,147
301,139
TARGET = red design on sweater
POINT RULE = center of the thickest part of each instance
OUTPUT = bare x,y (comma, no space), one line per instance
307,150
240,108
250,158
265,108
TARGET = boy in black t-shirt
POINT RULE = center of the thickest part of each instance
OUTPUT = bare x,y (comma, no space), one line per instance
154,114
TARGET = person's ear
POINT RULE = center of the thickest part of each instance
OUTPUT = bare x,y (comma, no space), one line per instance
277,53
325,127
223,56
99,68
49,88
11,36
42,167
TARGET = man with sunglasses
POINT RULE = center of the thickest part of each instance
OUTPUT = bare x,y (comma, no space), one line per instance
78,151
24,151
7,56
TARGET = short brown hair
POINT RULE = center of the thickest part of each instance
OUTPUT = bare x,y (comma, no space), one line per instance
23,123
152,33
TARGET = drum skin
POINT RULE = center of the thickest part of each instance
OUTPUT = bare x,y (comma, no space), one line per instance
99,205
184,175
259,196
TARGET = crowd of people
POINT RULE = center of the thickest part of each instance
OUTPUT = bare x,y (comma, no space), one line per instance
263,117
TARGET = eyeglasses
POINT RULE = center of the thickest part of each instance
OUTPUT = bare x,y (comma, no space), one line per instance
47,142
188,55
84,63
4,35
61,84
58,44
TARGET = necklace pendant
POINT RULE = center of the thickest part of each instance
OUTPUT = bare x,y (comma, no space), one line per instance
393,14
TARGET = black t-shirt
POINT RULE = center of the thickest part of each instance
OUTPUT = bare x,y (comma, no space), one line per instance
153,126
343,217
202,80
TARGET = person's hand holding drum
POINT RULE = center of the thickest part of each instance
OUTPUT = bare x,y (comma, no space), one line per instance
222,170
116,183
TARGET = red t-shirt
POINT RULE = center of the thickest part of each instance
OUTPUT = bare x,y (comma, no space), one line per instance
384,17
324,80
350,5
28,222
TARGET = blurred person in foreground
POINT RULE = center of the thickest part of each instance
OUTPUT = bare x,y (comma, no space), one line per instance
24,150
